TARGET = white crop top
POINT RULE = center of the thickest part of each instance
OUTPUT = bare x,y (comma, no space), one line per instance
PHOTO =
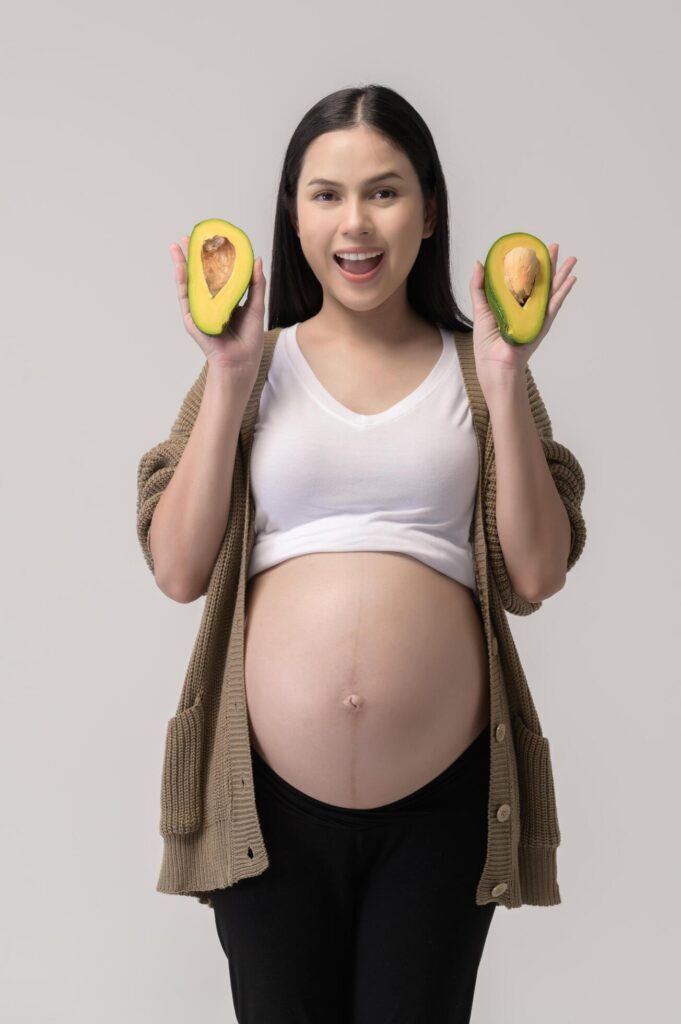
325,478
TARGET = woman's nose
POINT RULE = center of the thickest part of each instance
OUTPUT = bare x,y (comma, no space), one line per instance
355,220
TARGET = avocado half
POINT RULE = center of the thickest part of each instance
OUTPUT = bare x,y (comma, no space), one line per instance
518,285
219,270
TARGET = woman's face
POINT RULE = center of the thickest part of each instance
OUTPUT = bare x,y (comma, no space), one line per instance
387,213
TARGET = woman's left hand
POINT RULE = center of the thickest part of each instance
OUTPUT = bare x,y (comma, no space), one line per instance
495,357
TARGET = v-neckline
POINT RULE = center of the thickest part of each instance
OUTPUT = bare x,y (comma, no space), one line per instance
358,419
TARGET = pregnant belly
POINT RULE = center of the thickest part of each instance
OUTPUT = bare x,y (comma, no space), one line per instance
366,674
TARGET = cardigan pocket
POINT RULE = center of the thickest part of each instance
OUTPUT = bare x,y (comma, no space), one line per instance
538,812
181,788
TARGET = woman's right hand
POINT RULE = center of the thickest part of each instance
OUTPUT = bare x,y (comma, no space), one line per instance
239,348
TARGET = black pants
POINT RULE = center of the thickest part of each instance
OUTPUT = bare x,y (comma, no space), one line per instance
363,916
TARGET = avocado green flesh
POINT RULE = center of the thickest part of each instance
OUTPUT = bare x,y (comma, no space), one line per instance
212,313
518,325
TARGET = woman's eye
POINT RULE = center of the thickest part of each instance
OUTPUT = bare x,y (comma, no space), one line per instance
390,190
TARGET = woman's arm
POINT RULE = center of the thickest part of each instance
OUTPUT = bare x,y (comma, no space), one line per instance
184,485
533,526
532,484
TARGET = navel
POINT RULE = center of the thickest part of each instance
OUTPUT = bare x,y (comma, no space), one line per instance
353,701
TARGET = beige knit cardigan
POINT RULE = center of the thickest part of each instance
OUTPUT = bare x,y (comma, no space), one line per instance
209,820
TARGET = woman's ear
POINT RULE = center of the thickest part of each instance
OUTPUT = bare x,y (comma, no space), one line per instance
430,218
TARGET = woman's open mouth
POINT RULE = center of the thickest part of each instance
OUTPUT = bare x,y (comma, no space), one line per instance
360,271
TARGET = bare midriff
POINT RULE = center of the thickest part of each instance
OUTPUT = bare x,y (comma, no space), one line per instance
366,673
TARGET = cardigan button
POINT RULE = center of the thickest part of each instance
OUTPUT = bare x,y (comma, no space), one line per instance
504,812
498,889
500,731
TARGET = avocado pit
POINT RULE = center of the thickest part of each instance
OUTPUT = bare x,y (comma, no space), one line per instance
521,267
217,261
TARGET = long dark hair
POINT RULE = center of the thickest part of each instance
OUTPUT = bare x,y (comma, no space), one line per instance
295,293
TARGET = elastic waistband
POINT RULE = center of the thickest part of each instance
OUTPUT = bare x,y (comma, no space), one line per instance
428,797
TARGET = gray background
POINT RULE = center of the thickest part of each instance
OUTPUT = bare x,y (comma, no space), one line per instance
123,126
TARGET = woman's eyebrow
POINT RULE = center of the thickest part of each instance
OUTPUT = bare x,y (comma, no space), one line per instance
369,181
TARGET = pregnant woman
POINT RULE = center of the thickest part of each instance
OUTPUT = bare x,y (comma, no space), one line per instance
366,667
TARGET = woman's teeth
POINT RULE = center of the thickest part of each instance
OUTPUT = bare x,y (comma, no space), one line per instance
353,265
